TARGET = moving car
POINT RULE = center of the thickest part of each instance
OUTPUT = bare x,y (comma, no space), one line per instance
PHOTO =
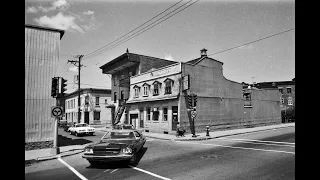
123,126
80,129
66,126
116,145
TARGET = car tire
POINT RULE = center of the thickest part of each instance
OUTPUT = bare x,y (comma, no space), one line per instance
133,160
76,134
70,132
91,134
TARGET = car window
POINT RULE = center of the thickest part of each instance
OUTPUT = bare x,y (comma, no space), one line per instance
118,135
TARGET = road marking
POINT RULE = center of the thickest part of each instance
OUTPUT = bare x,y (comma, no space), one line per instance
239,147
106,170
113,170
258,141
72,169
150,173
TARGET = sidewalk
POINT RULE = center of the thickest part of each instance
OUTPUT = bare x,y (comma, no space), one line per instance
45,154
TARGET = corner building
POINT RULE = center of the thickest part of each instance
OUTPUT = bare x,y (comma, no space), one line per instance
157,98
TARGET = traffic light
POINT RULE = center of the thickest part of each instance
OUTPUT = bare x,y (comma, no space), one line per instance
62,86
54,87
194,100
190,101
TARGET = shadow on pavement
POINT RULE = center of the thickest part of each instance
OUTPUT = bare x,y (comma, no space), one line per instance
118,164
64,141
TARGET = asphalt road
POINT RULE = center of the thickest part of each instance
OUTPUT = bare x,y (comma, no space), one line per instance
263,155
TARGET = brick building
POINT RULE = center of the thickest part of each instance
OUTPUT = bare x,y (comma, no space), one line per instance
156,98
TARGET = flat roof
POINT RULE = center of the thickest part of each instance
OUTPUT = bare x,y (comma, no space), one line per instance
46,28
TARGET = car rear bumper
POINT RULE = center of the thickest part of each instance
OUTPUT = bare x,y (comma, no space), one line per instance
108,158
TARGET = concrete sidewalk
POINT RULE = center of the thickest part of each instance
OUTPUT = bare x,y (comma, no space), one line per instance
45,154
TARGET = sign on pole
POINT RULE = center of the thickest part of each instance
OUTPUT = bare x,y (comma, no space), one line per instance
56,111
193,114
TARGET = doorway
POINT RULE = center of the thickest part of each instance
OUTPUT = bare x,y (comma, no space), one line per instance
174,117
86,117
134,119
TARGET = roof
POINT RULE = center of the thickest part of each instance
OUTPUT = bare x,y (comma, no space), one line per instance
46,28
195,61
94,90
270,85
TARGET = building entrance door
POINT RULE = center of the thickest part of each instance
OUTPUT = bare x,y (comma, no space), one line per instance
174,117
134,119
86,117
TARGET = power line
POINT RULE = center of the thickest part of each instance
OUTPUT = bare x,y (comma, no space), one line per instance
133,29
144,29
251,42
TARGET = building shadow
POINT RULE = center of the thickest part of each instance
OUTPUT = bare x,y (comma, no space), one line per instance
119,164
65,141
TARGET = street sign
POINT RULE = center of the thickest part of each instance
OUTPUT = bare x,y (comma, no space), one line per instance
56,111
193,114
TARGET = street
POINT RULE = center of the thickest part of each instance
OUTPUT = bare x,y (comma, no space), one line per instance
262,155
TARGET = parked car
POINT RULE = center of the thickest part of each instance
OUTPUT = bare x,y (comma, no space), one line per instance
116,145
81,129
62,122
66,126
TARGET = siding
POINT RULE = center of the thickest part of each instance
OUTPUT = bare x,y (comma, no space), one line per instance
41,63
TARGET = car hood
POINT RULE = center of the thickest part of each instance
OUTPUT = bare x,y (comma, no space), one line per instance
83,128
112,144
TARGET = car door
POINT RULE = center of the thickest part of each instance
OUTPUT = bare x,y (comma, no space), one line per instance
139,139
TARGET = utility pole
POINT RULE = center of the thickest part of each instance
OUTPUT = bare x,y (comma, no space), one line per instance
79,67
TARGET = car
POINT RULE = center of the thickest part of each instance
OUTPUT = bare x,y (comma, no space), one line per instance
123,126
116,145
81,129
67,126
62,122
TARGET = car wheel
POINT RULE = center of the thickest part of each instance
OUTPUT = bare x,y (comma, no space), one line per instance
76,134
91,134
70,132
133,160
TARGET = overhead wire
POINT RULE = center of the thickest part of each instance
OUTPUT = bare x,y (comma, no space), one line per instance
133,29
143,30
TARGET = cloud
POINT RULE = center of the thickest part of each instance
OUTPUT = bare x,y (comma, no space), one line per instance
60,21
88,13
59,4
168,57
31,10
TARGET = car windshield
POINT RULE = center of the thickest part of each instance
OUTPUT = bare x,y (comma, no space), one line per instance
118,135
82,125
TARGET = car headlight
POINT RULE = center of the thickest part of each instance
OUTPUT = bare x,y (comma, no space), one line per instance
126,150
88,150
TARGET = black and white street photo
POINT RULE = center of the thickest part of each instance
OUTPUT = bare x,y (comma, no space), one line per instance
160,89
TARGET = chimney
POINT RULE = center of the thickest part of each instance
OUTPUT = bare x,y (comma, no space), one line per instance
203,52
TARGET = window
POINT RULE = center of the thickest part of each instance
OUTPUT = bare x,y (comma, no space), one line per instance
282,101
155,115
247,99
96,115
97,101
136,91
148,113
168,84
156,87
165,114
281,90
290,101
114,81
106,101
288,90
146,89
115,97
141,118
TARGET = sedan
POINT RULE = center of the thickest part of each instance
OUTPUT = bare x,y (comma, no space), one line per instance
116,145
80,129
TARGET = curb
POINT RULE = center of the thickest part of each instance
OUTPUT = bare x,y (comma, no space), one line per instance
206,138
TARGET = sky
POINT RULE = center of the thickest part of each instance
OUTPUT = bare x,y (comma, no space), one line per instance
216,25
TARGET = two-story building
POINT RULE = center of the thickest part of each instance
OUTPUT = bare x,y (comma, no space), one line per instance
94,106
158,98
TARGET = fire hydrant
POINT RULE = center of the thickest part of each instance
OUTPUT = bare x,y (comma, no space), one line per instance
207,129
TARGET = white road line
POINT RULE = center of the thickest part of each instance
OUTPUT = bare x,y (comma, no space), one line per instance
72,169
240,147
258,141
106,170
150,173
113,170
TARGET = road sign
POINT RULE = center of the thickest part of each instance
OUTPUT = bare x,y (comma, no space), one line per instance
193,114
56,111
